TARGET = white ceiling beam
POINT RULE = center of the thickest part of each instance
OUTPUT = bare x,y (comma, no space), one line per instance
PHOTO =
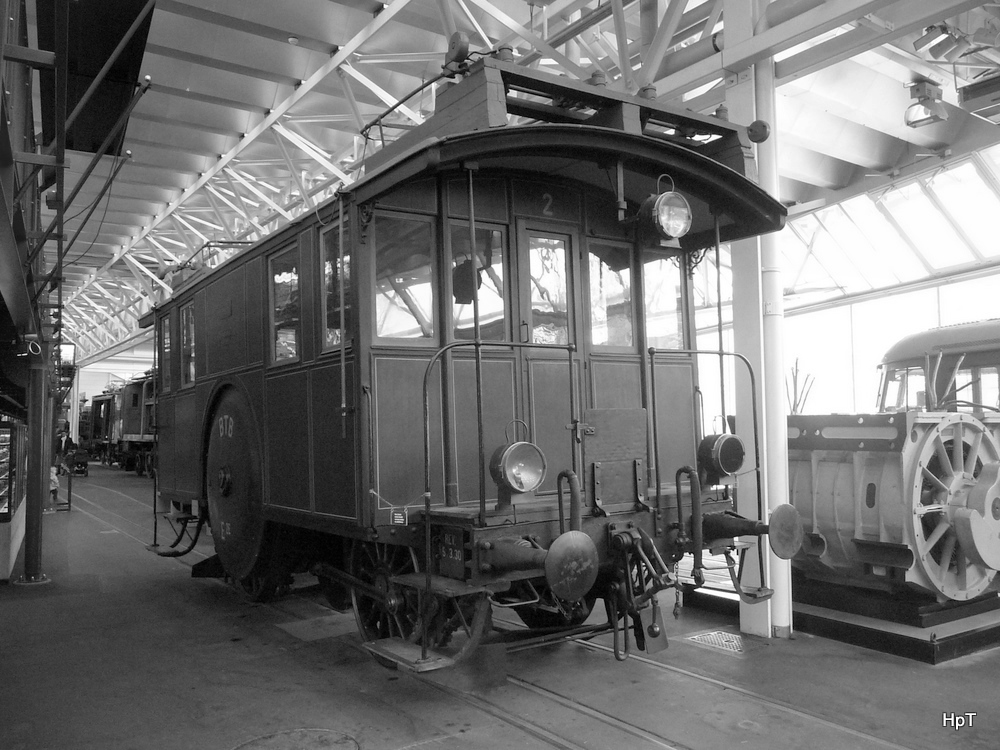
241,212
315,152
388,99
487,42
224,220
534,40
343,53
785,35
307,200
352,102
447,18
258,192
661,42
621,39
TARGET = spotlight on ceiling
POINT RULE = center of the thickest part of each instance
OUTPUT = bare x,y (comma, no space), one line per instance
961,47
928,108
931,35
943,46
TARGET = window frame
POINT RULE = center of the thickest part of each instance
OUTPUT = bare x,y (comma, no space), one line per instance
458,224
347,335
588,305
164,353
189,359
292,250
423,342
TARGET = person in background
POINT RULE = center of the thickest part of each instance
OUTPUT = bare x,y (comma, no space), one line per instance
62,449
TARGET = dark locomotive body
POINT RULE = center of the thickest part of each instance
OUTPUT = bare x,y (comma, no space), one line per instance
122,425
321,392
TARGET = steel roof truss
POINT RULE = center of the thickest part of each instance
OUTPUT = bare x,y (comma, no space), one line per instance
258,192
315,152
487,42
666,27
293,170
533,40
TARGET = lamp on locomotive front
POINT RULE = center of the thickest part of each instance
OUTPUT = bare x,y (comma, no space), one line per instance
518,469
665,216
719,458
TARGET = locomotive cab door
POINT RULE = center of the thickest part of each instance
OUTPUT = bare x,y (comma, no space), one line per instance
547,310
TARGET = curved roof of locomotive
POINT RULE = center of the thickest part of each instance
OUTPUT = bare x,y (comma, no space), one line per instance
983,335
590,154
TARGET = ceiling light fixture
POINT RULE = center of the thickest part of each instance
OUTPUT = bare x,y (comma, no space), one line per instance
928,108
943,46
931,35
961,47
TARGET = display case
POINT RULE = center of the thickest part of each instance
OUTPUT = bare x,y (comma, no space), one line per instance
13,490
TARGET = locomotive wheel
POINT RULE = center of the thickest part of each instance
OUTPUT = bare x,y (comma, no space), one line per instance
954,486
384,609
235,486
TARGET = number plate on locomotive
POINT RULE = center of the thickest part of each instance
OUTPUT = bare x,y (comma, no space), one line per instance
451,553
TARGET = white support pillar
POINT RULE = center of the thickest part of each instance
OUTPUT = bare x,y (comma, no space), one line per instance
757,330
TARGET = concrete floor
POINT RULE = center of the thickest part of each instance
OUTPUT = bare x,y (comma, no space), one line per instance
123,649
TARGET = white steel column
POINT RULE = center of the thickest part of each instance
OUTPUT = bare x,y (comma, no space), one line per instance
776,430
757,330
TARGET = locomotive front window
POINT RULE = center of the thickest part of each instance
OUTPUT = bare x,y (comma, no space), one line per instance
165,353
285,306
187,344
333,336
404,278
549,290
661,281
611,318
489,284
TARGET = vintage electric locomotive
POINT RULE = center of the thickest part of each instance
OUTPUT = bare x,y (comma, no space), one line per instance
467,381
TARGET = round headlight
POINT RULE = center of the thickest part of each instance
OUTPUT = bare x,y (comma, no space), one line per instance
519,467
672,215
720,456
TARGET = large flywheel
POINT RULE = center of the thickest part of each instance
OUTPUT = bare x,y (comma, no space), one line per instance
234,484
955,519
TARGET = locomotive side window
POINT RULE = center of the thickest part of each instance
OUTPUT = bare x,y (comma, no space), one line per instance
165,363
664,309
611,318
333,270
549,290
989,387
404,278
493,313
284,276
187,344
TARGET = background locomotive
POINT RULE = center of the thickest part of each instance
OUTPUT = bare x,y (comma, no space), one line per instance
467,381
122,425
908,499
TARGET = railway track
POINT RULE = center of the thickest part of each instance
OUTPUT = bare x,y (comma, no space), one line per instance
552,701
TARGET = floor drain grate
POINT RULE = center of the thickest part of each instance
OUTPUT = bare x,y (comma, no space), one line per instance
720,639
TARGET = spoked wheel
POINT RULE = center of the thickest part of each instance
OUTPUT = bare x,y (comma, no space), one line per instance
384,608
956,514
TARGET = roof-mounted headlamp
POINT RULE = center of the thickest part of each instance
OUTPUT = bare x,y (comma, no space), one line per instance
665,215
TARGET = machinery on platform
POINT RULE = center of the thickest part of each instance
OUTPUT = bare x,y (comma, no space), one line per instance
468,381
908,499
